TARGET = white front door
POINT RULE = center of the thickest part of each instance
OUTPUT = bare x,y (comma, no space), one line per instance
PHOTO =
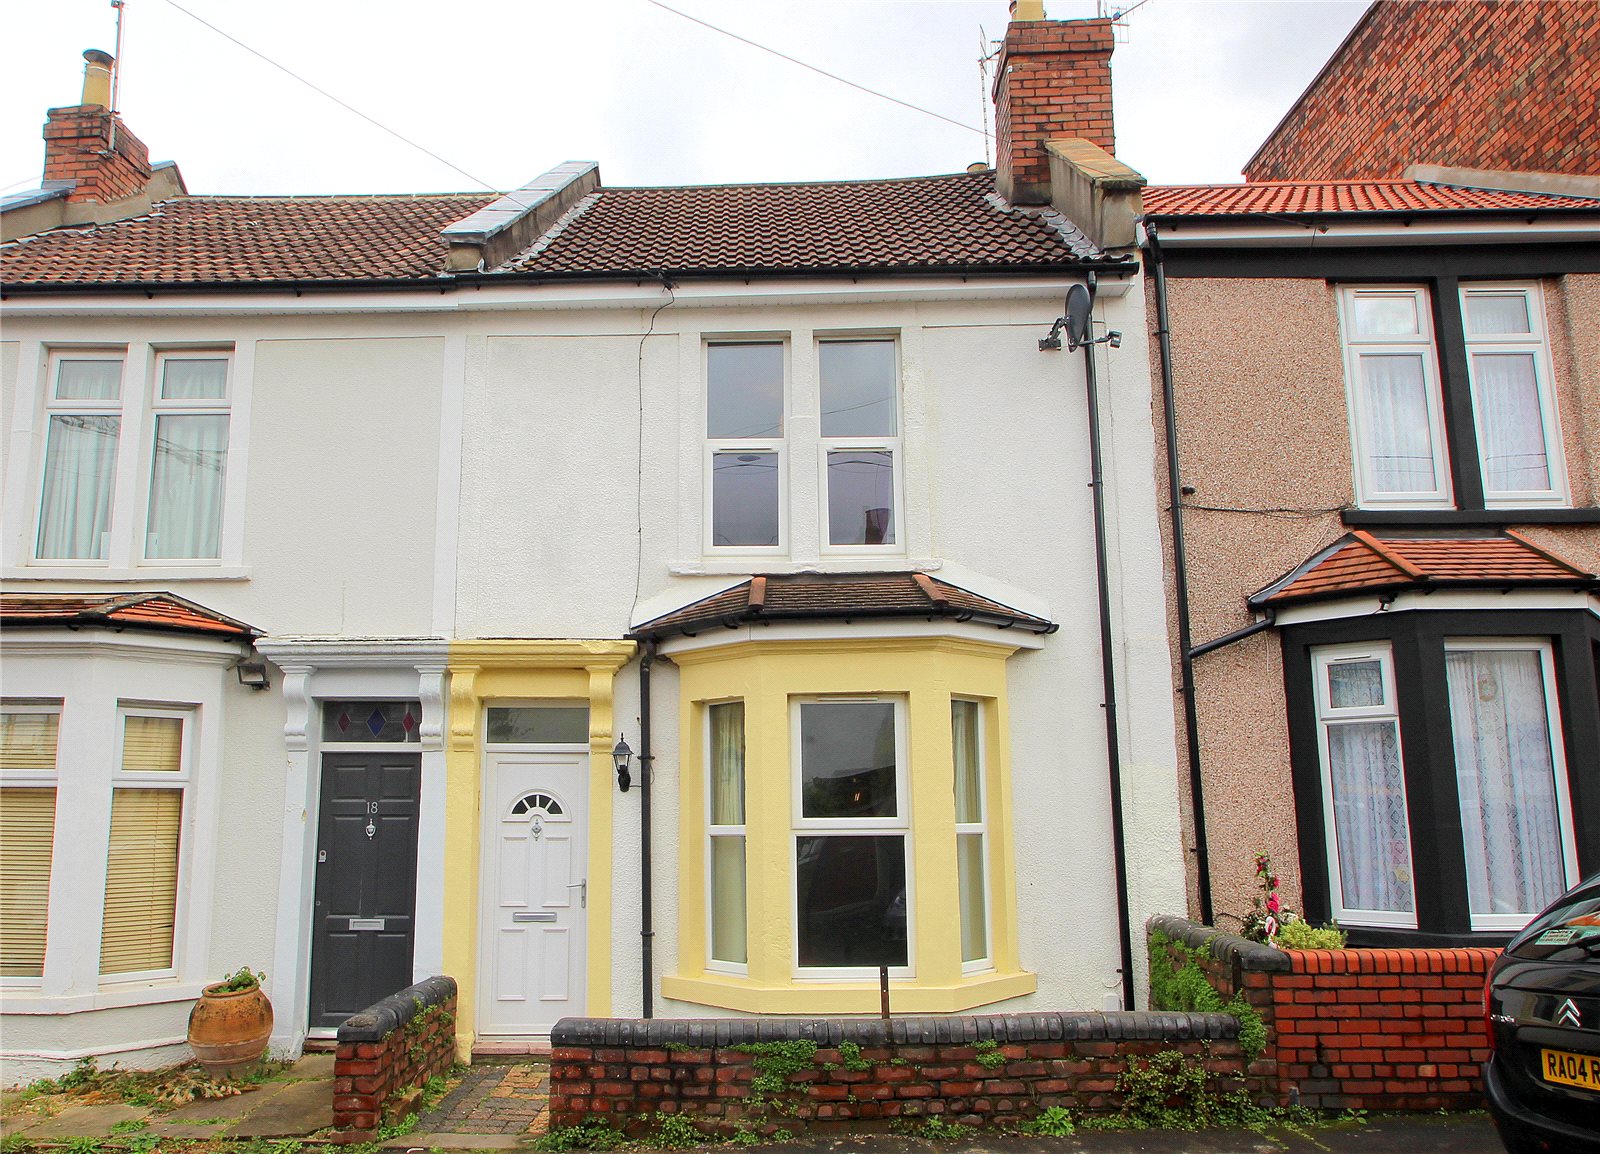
535,835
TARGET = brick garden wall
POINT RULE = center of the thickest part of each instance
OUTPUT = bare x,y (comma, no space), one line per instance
388,1051
1362,1029
970,1069
1470,83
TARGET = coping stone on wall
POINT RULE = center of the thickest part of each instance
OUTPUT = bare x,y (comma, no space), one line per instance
719,1033
1230,948
383,1018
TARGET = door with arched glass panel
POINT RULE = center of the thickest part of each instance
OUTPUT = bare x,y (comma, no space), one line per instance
534,881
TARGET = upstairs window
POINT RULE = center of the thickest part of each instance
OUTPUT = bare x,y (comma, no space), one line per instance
1394,398
860,442
1450,396
745,404
189,458
80,456
134,468
1512,403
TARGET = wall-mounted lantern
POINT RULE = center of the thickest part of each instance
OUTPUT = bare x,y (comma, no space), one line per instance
621,756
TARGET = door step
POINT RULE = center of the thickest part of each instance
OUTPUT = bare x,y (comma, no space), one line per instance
510,1051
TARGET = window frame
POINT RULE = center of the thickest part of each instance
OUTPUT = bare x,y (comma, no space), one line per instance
57,407
899,825
1535,342
1326,715
137,408
893,445
158,407
37,779
713,964
1417,636
713,446
981,829
181,781
1353,347
1565,828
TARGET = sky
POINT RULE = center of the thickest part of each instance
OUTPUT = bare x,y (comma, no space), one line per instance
505,89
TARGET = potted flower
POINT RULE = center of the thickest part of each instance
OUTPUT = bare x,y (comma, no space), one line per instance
230,1024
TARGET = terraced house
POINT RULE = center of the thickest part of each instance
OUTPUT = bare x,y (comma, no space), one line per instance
663,601
1380,385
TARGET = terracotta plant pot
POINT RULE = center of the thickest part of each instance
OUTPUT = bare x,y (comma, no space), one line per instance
229,1031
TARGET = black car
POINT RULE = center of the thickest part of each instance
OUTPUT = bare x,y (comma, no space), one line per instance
1542,1010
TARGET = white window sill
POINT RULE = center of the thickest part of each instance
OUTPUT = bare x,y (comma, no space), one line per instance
16,1001
143,575
877,563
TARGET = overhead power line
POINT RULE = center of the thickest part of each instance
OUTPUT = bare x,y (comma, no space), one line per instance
814,68
478,180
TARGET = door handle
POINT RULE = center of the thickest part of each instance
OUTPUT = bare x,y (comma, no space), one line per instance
583,892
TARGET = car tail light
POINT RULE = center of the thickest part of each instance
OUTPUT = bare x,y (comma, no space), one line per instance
1488,1011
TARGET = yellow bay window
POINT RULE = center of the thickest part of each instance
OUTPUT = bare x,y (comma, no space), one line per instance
848,809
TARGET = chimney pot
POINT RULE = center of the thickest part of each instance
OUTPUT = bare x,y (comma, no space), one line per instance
1027,9
97,77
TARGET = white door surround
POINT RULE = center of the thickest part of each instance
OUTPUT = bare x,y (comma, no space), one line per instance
533,916
315,669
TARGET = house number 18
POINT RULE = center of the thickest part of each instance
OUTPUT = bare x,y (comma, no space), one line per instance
372,808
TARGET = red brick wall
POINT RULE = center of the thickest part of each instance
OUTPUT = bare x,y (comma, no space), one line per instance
1354,1029
912,1074
1507,84
372,1076
78,147
1383,1029
1054,80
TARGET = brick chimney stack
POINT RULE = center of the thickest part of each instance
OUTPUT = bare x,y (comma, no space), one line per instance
1053,82
88,147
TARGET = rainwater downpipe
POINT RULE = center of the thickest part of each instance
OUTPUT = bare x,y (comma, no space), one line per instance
1108,673
1180,581
647,933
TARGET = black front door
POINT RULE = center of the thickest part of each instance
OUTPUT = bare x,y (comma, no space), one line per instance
362,923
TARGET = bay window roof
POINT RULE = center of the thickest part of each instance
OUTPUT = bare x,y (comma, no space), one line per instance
1364,563
161,611
838,597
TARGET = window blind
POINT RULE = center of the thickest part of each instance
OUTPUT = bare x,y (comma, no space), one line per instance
141,880
28,740
27,829
152,744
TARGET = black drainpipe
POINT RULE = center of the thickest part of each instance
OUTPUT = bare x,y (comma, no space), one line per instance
1108,673
647,933
1180,581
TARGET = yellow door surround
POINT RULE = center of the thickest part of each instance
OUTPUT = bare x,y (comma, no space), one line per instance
482,671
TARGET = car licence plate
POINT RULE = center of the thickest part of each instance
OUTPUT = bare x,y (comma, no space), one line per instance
1569,1069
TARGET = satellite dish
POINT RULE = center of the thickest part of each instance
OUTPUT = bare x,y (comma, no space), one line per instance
1080,303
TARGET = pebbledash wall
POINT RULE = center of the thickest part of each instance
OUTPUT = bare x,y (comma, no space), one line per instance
1231,432
1354,1029
1509,82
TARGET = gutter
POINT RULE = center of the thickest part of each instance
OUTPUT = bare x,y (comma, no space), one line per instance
1180,577
443,284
